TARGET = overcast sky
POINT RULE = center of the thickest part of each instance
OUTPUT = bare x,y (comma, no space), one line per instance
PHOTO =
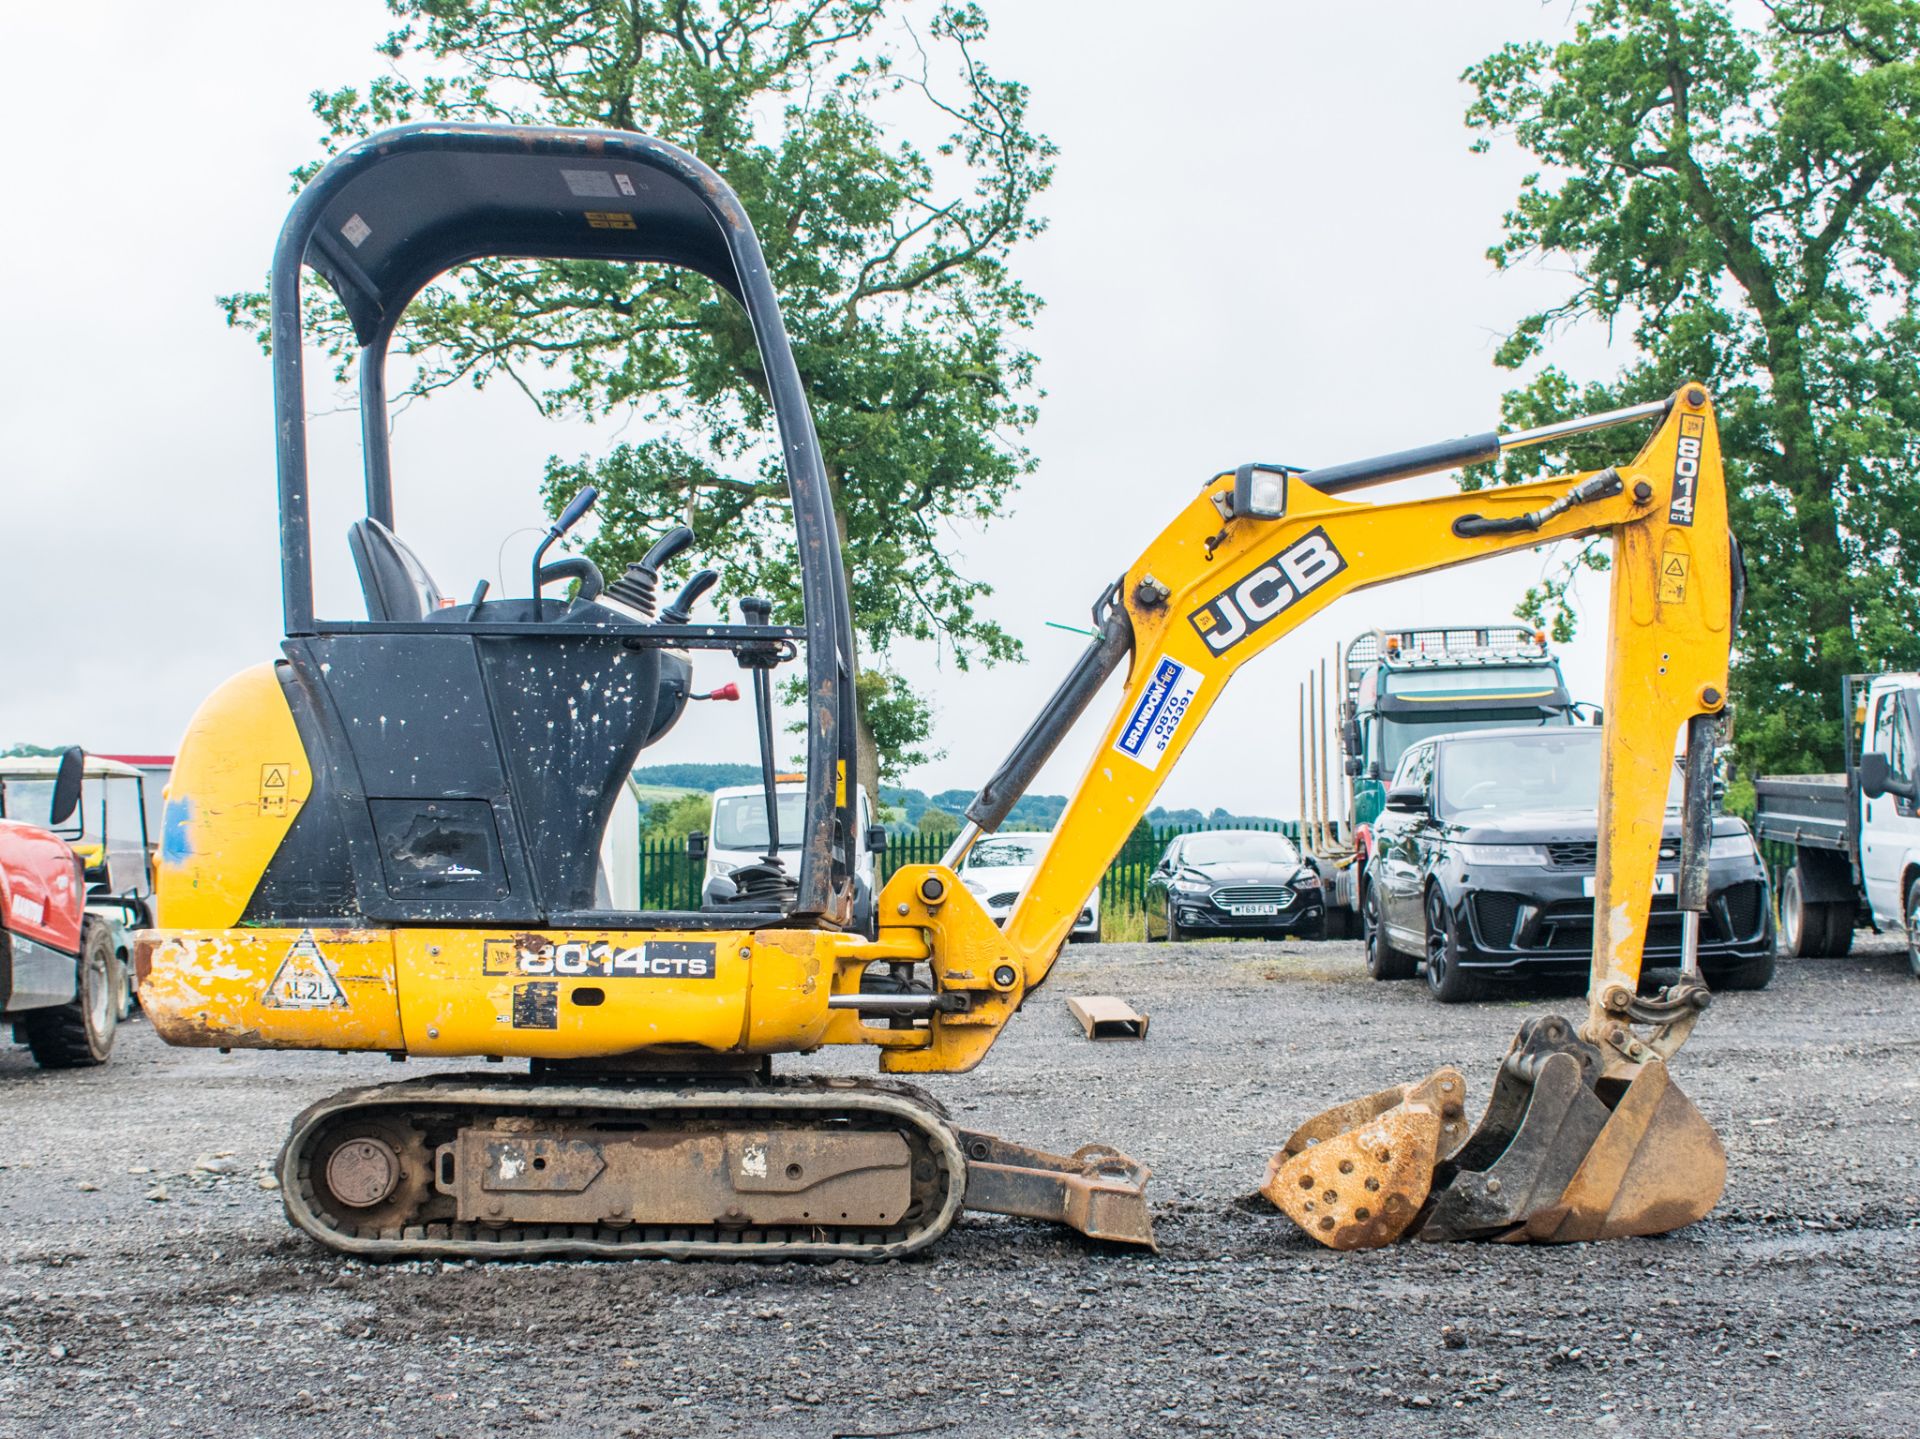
1267,241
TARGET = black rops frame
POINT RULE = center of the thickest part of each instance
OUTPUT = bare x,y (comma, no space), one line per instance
468,192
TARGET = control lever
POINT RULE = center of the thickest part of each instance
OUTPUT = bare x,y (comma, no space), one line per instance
757,610
576,508
635,588
681,610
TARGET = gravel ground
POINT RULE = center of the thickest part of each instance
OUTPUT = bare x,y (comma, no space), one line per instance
152,1285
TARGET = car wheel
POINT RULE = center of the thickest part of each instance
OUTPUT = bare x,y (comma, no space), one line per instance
1173,926
1801,930
1383,960
79,1033
1447,980
1913,928
1839,929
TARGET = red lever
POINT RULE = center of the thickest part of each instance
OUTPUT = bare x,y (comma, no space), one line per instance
725,692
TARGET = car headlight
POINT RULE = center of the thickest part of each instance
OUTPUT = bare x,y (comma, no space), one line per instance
717,868
1306,879
1731,846
1502,853
973,884
1192,886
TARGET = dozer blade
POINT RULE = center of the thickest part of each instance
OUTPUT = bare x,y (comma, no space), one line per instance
1356,1176
1551,1161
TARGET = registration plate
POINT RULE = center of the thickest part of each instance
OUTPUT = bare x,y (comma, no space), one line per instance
1662,884
1251,910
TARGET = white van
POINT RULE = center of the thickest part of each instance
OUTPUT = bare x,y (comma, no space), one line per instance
737,828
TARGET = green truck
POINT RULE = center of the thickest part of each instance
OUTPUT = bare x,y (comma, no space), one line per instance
1402,686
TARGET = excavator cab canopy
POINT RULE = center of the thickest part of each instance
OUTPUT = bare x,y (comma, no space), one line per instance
484,817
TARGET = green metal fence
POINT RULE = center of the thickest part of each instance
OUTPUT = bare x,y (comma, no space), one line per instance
670,880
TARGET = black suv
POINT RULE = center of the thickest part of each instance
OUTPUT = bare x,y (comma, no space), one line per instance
1484,867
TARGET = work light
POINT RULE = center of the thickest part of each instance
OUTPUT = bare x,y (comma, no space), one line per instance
1259,491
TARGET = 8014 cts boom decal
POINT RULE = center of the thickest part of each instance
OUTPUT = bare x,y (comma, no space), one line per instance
1243,607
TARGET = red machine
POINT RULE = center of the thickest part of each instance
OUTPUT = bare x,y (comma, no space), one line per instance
59,973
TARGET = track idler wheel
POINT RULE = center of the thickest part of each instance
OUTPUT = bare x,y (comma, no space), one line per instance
1560,1155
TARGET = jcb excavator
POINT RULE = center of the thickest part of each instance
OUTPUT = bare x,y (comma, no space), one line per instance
386,840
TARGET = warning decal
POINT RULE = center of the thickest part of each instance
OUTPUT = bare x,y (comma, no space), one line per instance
273,788
1673,577
305,980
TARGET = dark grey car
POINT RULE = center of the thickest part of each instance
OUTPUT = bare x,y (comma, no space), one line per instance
1234,881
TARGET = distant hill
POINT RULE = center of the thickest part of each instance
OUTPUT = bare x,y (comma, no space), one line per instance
1031,811
1040,811
708,777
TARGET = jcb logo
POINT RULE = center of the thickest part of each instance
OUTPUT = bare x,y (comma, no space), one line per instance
1236,612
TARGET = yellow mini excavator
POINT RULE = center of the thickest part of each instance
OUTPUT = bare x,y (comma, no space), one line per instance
387,840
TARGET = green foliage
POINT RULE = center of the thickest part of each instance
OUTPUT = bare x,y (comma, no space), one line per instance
1745,204
707,777
30,751
890,259
937,822
674,819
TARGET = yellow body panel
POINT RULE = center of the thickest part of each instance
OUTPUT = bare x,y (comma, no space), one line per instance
238,781
264,988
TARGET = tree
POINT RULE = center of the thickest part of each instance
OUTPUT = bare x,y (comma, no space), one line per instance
938,822
674,819
891,261
1743,202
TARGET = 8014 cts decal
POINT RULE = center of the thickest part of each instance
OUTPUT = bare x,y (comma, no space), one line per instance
1243,607
578,959
1686,469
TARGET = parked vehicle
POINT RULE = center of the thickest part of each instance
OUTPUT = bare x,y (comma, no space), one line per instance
1485,861
109,832
998,867
1399,687
1856,834
60,978
1234,881
737,837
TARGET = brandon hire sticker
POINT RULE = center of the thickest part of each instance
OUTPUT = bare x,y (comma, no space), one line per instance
1157,714
304,980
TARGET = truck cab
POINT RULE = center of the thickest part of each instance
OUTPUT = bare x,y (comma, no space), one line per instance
1888,713
1404,686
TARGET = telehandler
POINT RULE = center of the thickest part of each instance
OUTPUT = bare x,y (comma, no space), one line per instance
386,839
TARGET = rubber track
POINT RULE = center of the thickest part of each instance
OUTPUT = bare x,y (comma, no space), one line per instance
912,1111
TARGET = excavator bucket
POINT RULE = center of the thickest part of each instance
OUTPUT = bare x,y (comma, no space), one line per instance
1559,1156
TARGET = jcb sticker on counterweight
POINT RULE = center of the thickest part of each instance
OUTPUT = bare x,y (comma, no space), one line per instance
579,959
1240,609
1686,469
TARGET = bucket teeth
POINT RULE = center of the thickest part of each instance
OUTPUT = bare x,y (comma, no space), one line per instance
1356,1176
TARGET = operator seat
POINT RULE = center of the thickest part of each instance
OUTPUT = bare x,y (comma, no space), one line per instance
396,585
